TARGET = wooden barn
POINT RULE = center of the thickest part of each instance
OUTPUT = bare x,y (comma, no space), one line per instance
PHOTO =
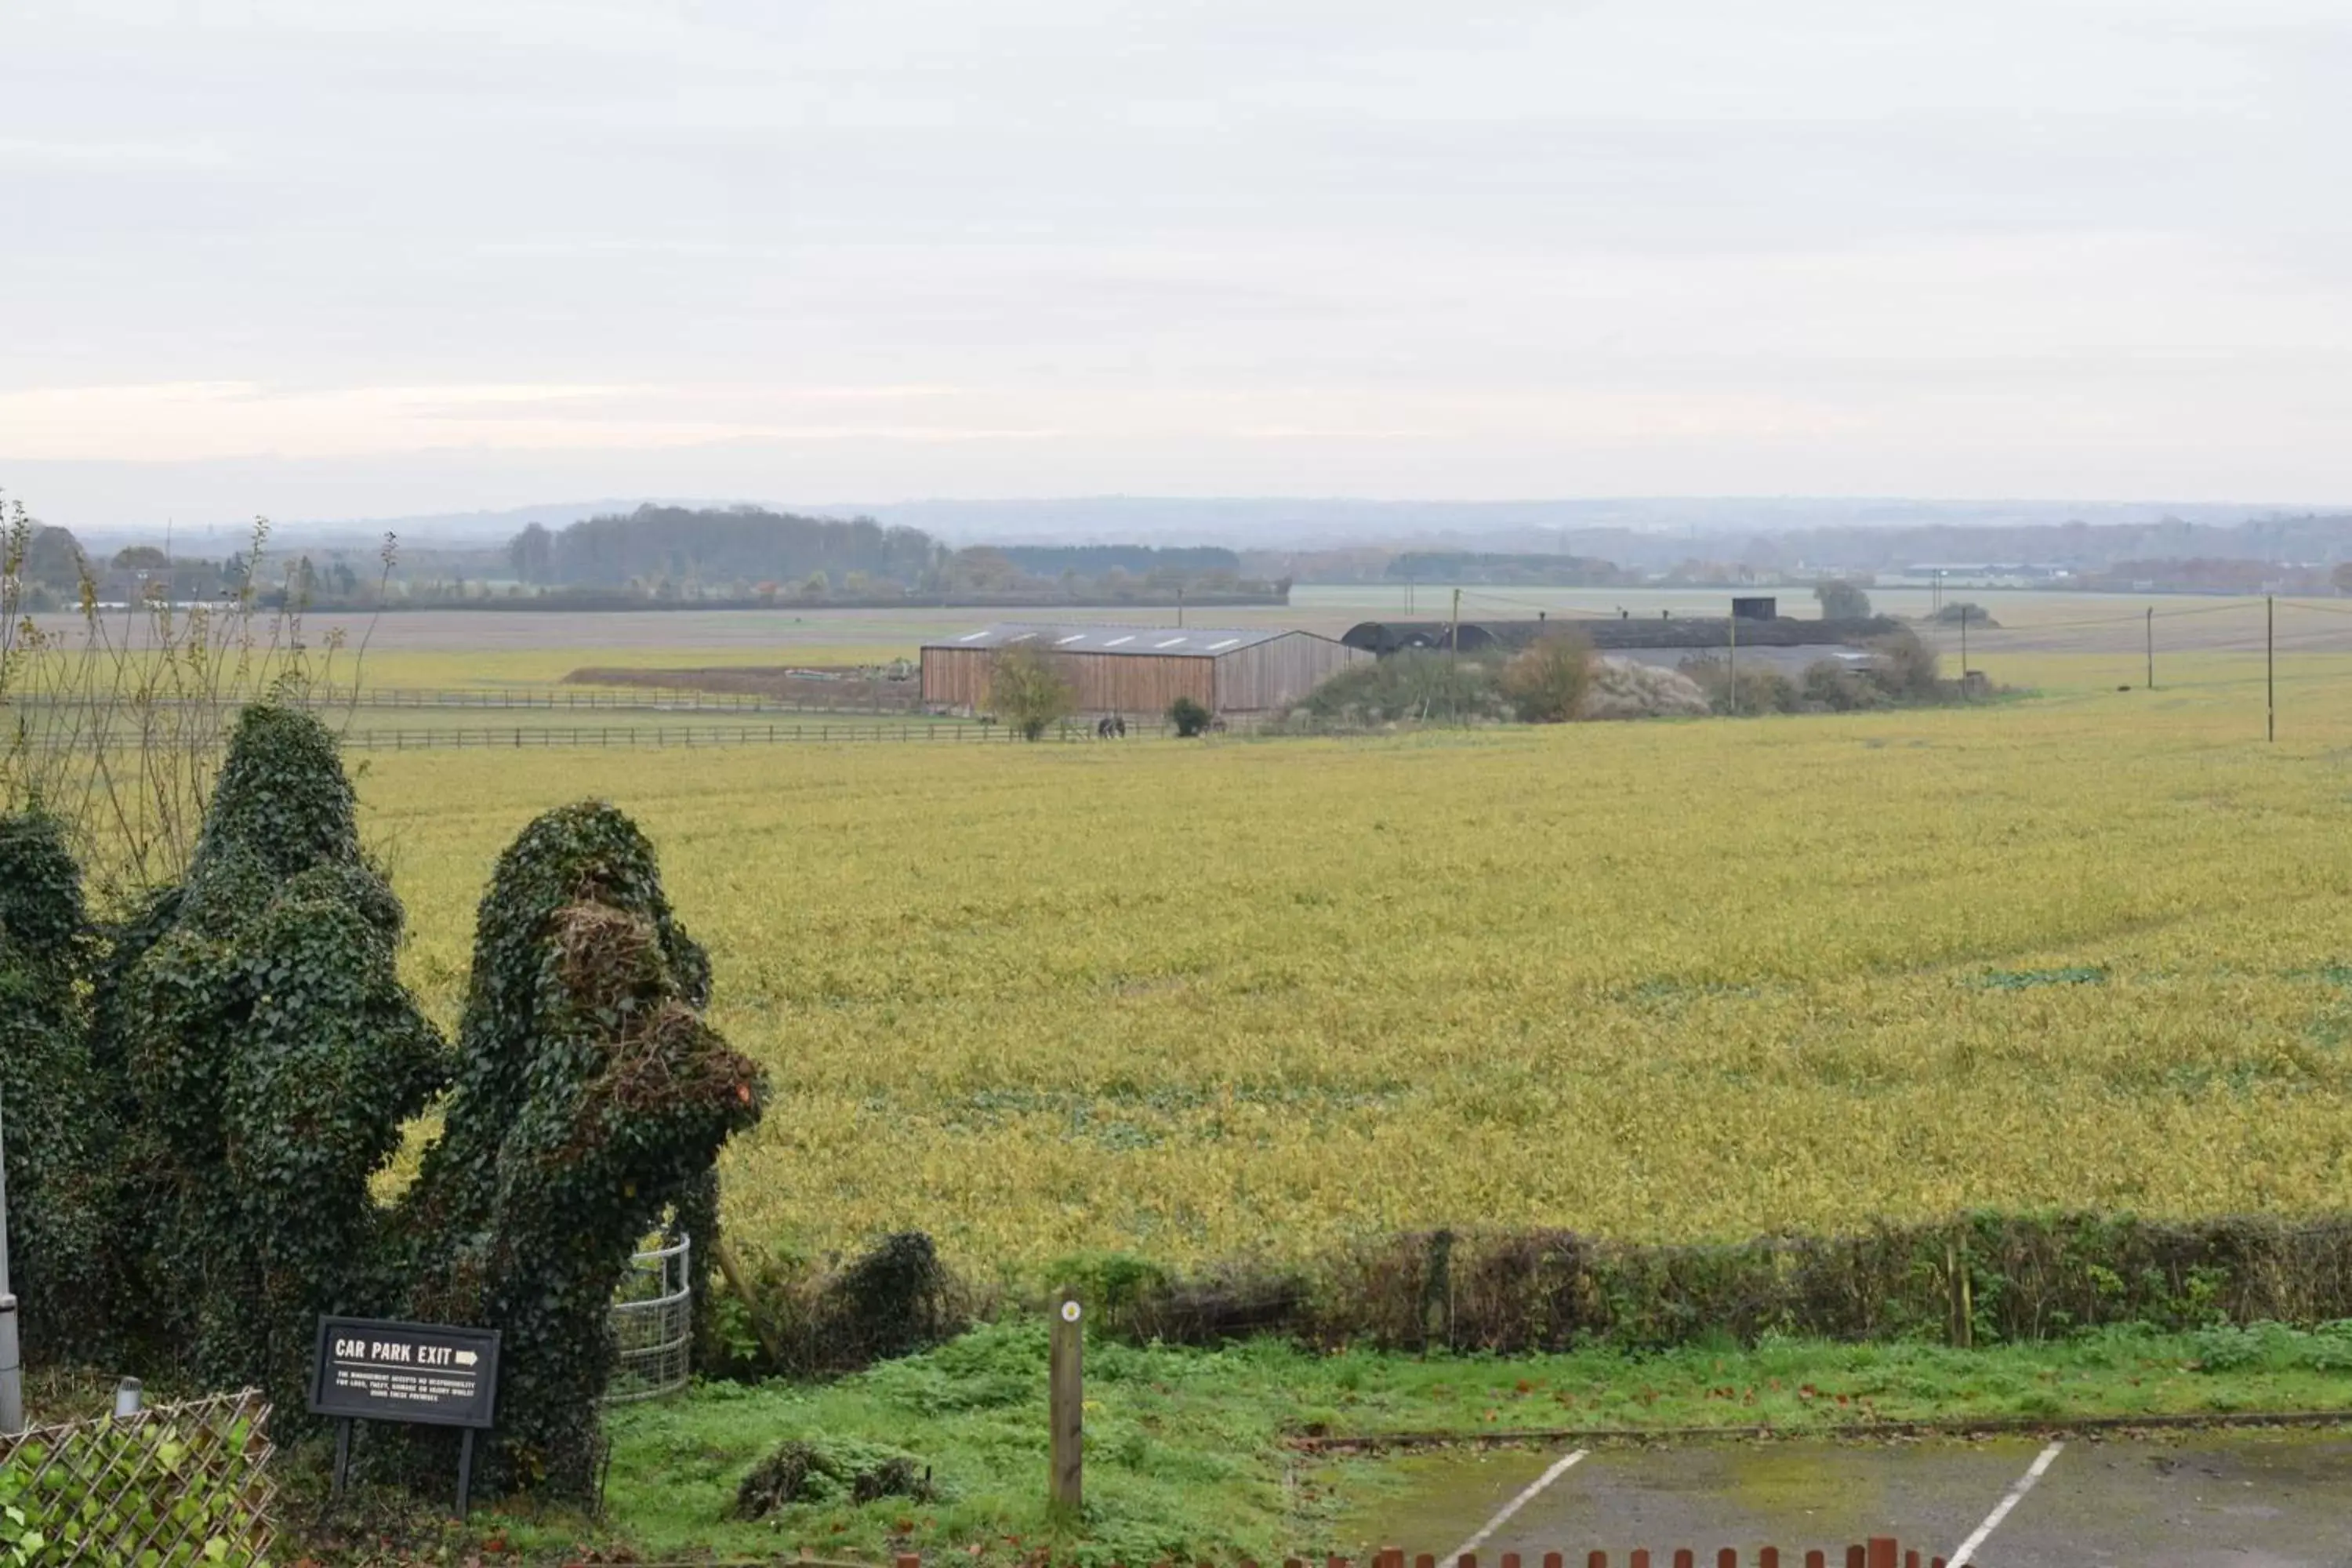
1139,671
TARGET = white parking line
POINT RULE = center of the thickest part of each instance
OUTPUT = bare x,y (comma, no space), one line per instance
2034,1473
1526,1495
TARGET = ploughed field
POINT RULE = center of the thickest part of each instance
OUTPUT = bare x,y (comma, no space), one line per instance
1652,981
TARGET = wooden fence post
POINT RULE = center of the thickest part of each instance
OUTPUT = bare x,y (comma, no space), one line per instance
1067,1400
1882,1552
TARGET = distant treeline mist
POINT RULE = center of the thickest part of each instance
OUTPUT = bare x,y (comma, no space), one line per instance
746,551
662,555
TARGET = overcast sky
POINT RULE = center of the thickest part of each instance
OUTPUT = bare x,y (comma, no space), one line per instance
333,259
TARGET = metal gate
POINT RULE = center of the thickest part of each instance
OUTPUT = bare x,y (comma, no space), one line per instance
653,1325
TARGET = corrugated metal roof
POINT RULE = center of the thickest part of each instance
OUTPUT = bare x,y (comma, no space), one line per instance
1168,642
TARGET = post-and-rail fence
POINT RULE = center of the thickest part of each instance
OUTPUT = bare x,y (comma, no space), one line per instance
171,1485
674,737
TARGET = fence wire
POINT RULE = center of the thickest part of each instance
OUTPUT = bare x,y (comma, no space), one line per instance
172,1485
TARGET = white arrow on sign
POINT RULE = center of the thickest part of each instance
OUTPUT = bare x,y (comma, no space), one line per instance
467,1358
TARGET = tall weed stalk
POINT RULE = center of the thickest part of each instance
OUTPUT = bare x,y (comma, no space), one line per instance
114,716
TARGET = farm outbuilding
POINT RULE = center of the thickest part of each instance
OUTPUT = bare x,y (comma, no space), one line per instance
1140,670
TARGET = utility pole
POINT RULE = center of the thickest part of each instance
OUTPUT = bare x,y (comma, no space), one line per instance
12,1360
1180,606
2151,647
1454,658
1734,624
1964,649
2270,664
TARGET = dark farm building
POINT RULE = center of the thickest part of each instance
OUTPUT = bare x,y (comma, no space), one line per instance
1140,670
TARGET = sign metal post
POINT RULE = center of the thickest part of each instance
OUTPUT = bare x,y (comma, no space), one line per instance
425,1375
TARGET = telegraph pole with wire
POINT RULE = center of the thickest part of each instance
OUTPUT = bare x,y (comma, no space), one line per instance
2270,665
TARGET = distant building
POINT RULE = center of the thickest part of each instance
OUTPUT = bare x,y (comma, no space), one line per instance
1142,670
1790,647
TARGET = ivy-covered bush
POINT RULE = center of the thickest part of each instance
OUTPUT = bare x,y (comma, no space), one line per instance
51,1112
591,1096
206,1089
272,1058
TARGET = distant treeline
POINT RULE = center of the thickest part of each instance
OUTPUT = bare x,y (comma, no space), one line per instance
1528,570
1136,560
655,545
745,554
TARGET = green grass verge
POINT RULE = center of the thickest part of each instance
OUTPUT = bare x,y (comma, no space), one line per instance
1188,1453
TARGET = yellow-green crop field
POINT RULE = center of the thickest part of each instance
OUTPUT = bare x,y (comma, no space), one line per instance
1658,980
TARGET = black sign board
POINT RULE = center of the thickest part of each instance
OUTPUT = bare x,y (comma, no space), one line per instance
430,1373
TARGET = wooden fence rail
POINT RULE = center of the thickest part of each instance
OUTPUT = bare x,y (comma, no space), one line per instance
688,736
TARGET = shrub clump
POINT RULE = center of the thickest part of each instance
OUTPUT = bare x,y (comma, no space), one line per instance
1628,689
1754,689
894,1300
1546,682
804,1472
1189,717
1417,686
1905,669
1836,688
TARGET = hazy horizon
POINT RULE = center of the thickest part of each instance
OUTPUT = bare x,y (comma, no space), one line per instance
373,261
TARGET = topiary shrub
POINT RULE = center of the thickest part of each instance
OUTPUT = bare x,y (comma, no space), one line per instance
209,1100
590,1097
56,1127
270,1058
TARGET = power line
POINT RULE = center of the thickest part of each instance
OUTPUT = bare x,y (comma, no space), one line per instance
1532,605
